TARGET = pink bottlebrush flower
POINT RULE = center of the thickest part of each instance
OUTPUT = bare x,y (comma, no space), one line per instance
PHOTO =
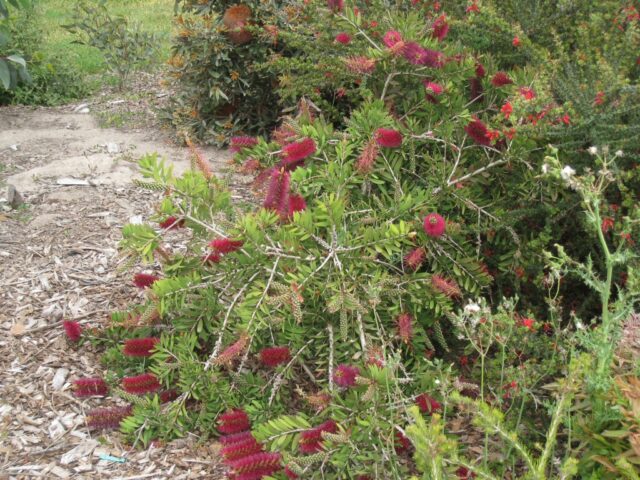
445,286
515,42
141,384
139,347
434,225
274,356
507,110
417,55
233,421
433,90
311,440
225,245
478,132
427,404
392,38
88,387
171,223
240,449
298,151
343,38
375,356
501,79
277,197
413,260
296,204
360,65
211,258
388,137
144,280
168,395
527,93
440,28
73,330
290,473
475,89
235,438
480,71
256,466
404,322
233,351
240,143
345,375
108,418
335,5
367,159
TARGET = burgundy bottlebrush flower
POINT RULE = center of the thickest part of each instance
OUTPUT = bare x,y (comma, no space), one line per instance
295,152
274,356
277,197
417,55
335,5
88,387
290,473
440,28
433,90
239,143
343,38
388,137
233,421
427,404
225,245
211,258
434,225
414,258
404,322
139,347
297,203
241,449
402,443
235,438
392,38
478,132
345,375
445,286
500,79
73,330
464,473
475,89
311,440
144,280
171,223
480,71
105,418
168,395
141,384
256,466
233,351
367,159
360,65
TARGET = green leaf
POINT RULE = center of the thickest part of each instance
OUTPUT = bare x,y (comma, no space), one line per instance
5,74
17,59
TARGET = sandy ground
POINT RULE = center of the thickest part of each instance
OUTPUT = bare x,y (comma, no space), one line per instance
59,259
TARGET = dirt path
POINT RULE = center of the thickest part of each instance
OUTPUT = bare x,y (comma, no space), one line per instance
59,259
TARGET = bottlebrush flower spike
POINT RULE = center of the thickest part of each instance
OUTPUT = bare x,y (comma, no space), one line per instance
335,5
475,89
343,38
223,246
296,204
447,287
233,351
294,153
434,225
88,387
402,443
360,65
144,280
233,421
433,90
506,110
107,418
256,466
389,138
141,384
404,322
414,259
527,93
311,440
240,449
274,356
139,347
417,55
440,28
211,258
345,375
427,404
240,143
235,438
171,223
478,132
73,330
464,473
367,158
501,79
392,38
277,197
168,395
480,71
290,473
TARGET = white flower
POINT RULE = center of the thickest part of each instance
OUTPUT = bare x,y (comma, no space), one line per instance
545,168
471,308
619,153
593,150
437,382
579,325
568,172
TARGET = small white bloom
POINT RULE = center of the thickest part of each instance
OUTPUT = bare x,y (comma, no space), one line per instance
619,153
593,150
471,308
579,325
545,168
567,172
437,382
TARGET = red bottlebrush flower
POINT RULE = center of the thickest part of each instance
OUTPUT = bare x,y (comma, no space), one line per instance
475,89
298,151
73,330
473,8
607,224
144,280
296,204
515,42
478,132
360,65
241,449
256,466
493,135
88,387
413,260
240,143
417,55
171,223
367,158
464,473
404,322
290,473
236,438
233,421
427,404
311,440
211,258
274,356
480,71
345,375
440,28
389,138
168,395
445,286
139,347
434,225
566,119
343,38
225,245
506,110
433,90
527,93
233,351
107,418
277,197
141,384
501,79
392,38
335,5
402,443
529,324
